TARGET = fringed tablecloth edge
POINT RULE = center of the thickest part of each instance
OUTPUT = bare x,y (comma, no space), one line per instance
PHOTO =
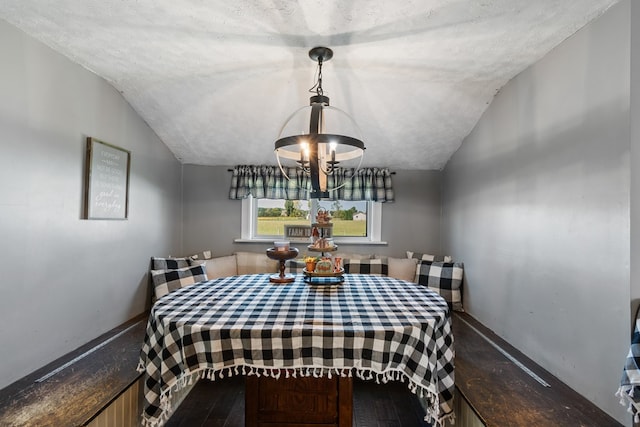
187,378
627,398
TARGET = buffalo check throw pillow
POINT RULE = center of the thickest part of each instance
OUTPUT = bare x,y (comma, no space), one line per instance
166,281
429,257
377,267
168,263
445,278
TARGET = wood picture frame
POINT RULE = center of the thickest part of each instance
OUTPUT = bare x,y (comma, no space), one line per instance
106,189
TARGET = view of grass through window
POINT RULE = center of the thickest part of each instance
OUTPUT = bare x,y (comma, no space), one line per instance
349,218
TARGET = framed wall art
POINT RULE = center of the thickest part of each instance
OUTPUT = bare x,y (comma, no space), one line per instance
106,190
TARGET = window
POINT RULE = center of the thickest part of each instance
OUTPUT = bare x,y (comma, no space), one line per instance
353,222
272,215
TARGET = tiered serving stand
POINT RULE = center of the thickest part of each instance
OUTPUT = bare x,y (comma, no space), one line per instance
325,230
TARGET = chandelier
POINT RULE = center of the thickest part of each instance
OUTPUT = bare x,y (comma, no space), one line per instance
317,138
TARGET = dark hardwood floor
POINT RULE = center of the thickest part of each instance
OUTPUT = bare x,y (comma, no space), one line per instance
220,403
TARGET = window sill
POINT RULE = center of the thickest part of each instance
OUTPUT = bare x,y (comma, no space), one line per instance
293,243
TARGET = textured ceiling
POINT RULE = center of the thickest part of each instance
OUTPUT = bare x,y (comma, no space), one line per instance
216,79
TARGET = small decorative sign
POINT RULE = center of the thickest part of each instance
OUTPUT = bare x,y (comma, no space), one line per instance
297,233
106,191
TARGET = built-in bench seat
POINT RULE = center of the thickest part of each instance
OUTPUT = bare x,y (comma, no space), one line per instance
75,389
502,393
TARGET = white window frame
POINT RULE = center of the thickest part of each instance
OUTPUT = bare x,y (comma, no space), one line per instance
374,225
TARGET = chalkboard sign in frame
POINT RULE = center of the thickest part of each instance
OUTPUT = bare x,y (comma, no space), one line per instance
106,190
297,233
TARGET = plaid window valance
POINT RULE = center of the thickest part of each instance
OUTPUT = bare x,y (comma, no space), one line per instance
268,182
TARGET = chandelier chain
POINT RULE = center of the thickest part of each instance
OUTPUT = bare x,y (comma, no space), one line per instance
317,86
319,90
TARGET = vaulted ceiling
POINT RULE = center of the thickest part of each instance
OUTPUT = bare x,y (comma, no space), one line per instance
217,79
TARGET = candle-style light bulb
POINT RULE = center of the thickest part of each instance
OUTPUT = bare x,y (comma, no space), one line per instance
304,153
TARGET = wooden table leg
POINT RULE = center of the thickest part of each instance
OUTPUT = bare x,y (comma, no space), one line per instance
345,402
321,402
251,393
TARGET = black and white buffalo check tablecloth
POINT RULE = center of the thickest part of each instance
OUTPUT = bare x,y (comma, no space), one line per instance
629,390
373,327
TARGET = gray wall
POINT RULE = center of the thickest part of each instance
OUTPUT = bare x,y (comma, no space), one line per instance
536,204
635,157
66,280
212,221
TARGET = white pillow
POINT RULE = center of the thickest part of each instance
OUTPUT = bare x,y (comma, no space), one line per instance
201,256
255,263
223,266
403,268
347,255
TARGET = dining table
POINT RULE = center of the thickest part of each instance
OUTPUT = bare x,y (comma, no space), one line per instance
371,327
